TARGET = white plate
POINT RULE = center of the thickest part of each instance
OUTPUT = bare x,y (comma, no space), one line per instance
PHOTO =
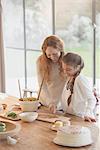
63,144
12,129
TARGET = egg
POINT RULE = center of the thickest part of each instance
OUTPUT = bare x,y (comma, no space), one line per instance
58,124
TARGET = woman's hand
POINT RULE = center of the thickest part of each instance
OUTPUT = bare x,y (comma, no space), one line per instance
52,108
89,119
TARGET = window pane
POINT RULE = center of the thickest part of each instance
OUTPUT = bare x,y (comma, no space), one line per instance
13,23
14,70
31,69
38,22
74,26
98,45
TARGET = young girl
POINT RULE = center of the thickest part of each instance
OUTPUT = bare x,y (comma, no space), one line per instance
49,68
77,96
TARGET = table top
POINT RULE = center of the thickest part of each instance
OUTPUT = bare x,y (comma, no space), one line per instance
38,135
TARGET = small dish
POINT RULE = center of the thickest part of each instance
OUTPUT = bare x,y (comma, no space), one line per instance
28,116
11,141
11,115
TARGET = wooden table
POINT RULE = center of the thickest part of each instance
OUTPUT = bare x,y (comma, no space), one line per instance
38,135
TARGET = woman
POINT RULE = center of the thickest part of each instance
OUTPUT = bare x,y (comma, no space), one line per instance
49,71
77,97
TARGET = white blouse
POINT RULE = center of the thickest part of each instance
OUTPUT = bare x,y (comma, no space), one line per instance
82,101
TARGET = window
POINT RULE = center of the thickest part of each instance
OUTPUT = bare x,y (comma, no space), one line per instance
74,25
98,45
28,22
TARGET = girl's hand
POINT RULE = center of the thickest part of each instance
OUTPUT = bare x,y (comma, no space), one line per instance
89,119
52,108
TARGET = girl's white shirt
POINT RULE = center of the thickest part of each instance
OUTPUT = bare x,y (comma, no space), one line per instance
83,101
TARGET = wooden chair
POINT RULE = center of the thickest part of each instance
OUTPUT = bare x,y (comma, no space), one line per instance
29,92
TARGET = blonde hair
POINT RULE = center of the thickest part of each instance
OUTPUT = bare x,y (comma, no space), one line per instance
44,61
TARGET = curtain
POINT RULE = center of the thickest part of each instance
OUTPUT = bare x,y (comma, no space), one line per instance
2,65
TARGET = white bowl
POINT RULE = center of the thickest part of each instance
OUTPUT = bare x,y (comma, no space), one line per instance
28,116
29,105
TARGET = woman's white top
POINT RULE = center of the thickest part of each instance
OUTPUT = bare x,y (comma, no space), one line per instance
51,91
82,101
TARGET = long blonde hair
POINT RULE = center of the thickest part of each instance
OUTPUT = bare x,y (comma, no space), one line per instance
44,61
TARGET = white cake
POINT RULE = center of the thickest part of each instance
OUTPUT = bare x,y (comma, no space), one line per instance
74,136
